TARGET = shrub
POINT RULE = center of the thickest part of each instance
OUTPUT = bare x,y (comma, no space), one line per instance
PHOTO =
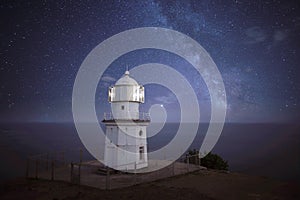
214,161
211,161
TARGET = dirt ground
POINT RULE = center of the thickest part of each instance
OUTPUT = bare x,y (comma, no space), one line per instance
204,184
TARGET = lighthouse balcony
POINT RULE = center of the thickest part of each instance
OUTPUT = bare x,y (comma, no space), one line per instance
132,116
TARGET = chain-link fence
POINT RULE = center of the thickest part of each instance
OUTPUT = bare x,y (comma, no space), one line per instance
93,173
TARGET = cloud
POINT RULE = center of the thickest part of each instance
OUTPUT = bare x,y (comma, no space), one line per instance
255,35
108,79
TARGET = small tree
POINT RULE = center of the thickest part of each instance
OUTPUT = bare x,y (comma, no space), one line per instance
211,161
214,161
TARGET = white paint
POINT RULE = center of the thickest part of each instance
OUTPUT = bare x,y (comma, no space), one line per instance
126,144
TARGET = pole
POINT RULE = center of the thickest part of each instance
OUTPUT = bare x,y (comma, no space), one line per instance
173,168
79,171
52,170
47,161
63,158
199,157
135,173
71,175
27,168
80,155
36,168
107,179
188,161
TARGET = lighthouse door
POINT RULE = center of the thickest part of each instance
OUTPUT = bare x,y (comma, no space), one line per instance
142,151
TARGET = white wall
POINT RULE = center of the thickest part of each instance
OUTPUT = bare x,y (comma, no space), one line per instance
130,142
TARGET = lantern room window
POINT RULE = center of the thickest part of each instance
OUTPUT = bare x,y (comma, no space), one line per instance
111,94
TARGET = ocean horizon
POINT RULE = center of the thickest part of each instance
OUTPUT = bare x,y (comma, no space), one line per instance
263,149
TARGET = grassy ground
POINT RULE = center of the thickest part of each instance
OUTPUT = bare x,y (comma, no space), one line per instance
204,184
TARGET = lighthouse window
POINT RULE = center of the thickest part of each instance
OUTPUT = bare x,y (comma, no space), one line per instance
141,133
141,153
122,107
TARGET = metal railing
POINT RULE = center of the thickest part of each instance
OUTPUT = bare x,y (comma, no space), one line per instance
95,174
135,116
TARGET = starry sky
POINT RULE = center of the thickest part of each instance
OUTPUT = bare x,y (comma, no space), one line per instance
253,43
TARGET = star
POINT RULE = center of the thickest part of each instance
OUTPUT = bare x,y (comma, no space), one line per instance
254,45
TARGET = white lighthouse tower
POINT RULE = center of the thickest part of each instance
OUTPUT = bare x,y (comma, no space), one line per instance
126,143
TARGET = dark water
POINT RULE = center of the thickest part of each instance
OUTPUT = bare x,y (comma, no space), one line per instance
271,150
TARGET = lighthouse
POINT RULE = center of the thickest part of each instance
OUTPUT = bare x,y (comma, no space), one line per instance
126,139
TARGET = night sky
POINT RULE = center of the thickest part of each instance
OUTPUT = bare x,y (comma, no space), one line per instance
254,44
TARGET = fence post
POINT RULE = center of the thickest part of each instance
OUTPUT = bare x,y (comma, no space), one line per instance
134,173
79,171
47,161
80,155
52,170
71,175
63,158
36,168
107,178
188,162
27,168
199,158
173,168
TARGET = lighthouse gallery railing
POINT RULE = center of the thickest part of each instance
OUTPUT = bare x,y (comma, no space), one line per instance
136,116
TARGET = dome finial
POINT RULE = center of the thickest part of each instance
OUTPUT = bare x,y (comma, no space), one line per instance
126,72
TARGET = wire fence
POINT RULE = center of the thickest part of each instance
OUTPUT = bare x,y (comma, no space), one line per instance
57,166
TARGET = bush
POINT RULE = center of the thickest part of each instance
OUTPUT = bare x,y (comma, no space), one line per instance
214,161
211,161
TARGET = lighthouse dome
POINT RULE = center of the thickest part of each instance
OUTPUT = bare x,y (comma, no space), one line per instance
126,80
126,89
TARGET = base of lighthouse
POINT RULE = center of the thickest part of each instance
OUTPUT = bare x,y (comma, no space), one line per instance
126,145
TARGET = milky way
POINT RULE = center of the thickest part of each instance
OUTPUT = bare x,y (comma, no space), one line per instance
254,44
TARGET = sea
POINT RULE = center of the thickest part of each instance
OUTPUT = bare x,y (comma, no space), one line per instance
269,150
